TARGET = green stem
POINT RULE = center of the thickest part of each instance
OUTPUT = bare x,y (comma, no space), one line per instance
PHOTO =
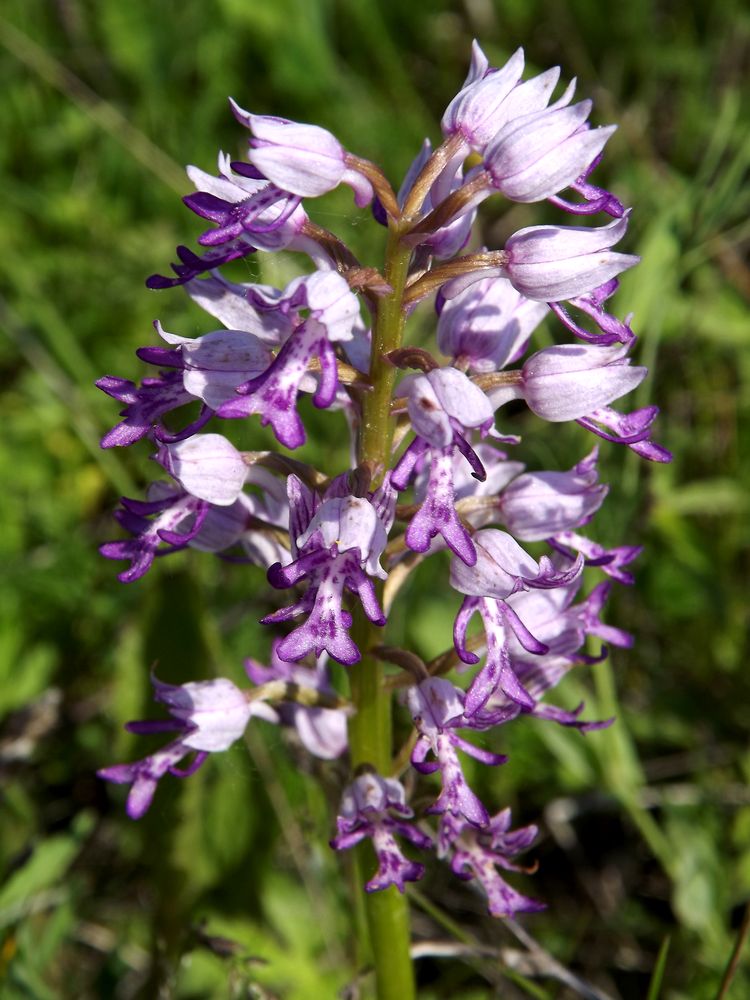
370,728
377,424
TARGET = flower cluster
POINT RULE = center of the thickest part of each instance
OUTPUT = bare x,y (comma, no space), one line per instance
430,468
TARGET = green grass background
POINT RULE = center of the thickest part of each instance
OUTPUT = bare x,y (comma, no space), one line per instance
227,888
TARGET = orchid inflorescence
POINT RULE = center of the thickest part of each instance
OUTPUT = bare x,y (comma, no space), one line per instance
429,471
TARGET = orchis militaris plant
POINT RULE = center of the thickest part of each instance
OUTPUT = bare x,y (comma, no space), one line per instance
431,469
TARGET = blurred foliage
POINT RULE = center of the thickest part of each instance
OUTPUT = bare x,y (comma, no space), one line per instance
227,887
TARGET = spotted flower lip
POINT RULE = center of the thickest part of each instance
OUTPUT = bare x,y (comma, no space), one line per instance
375,807
444,406
318,311
437,708
337,544
477,854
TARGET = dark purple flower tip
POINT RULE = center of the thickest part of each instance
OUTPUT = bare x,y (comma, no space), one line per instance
157,282
277,577
191,265
148,727
192,768
379,214
395,870
121,389
208,206
163,357
247,170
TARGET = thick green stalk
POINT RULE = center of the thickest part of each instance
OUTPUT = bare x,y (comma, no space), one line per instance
370,727
377,423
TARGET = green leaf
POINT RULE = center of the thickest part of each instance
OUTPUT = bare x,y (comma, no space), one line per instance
46,866
659,969
700,891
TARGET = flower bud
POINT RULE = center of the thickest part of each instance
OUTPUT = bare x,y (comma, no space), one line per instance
551,263
304,159
539,156
569,381
208,466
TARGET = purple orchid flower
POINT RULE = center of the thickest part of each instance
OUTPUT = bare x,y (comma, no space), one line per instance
444,406
570,381
328,537
437,708
611,561
561,627
177,521
209,716
145,406
630,429
475,112
502,569
337,547
321,310
538,155
251,214
536,505
552,263
374,807
478,853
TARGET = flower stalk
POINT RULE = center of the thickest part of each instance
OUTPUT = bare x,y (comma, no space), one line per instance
370,727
